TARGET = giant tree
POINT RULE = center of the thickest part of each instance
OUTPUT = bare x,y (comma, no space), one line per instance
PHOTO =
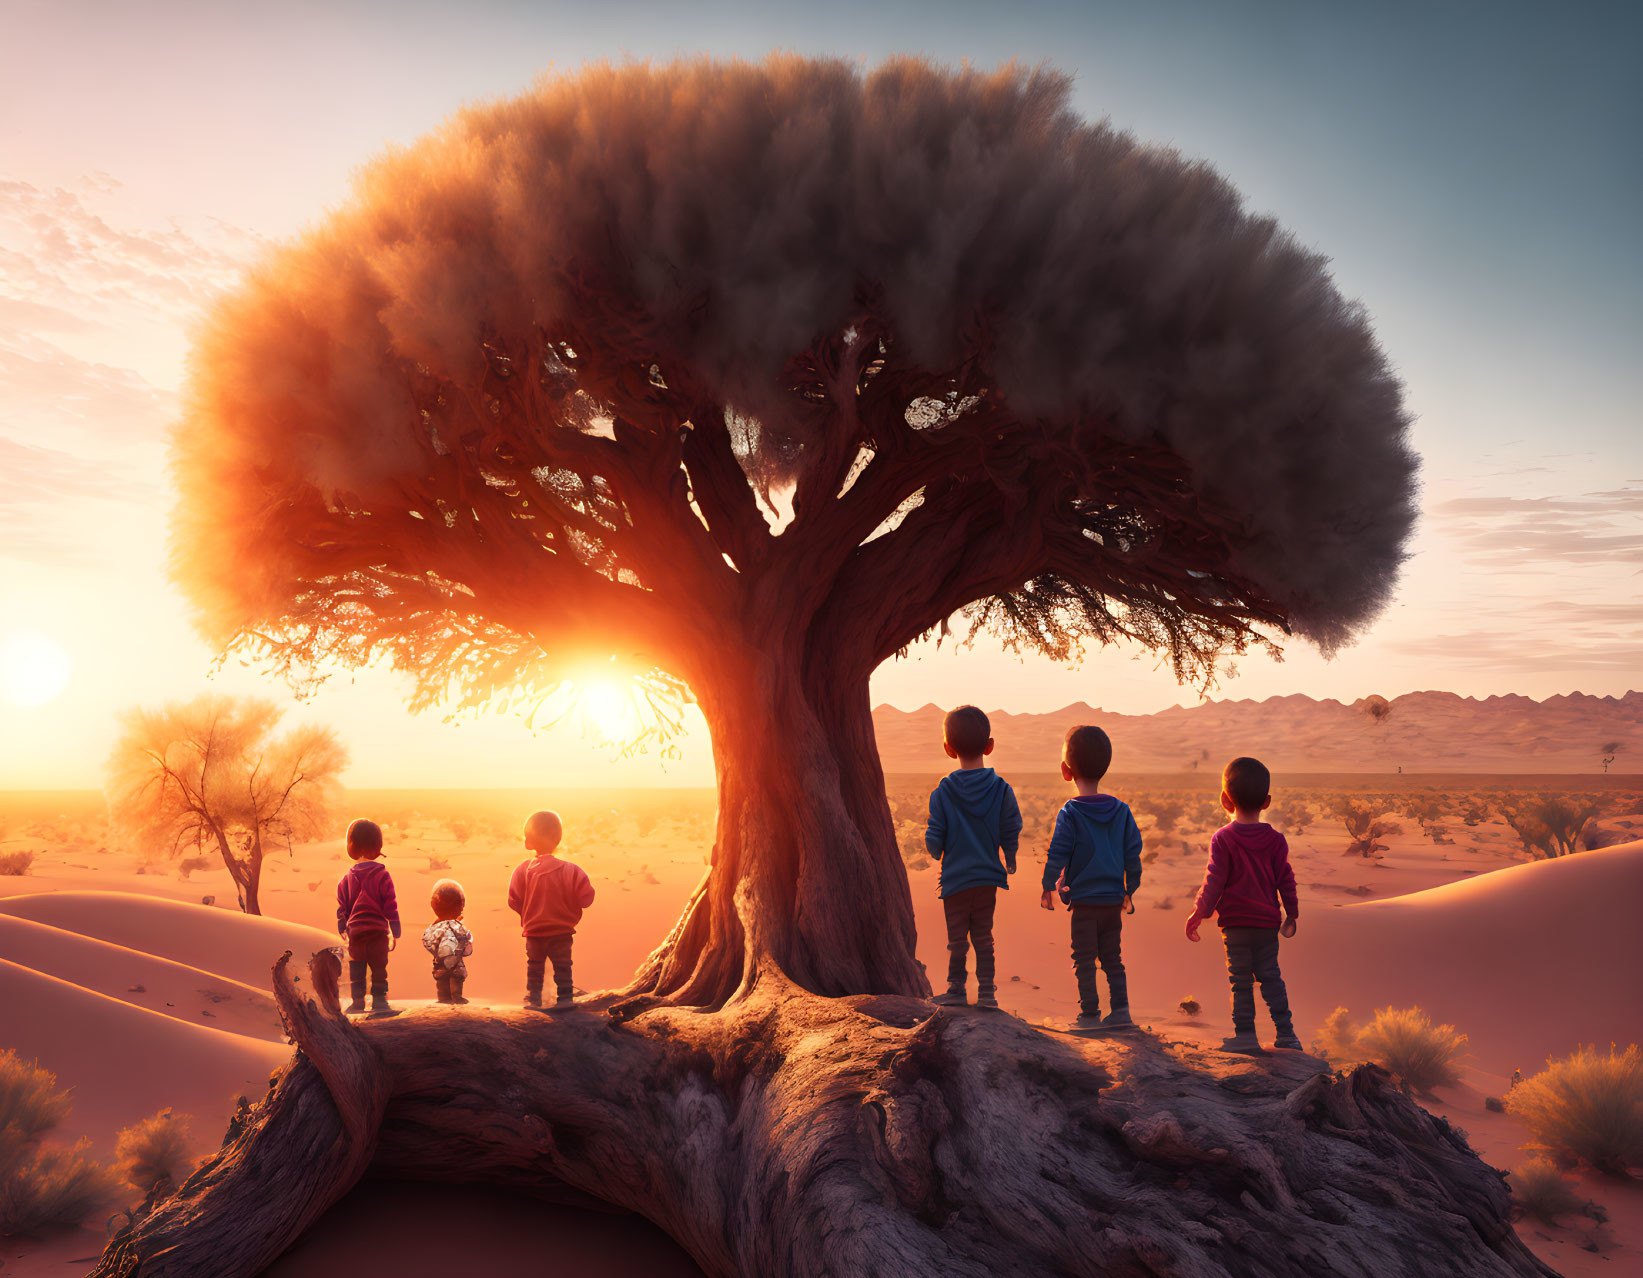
747,377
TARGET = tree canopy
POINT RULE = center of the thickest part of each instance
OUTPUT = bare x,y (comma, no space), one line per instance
535,393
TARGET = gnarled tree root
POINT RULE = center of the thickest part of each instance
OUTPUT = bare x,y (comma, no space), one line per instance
788,1134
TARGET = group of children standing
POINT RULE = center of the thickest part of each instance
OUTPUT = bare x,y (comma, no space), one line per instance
548,894
1093,867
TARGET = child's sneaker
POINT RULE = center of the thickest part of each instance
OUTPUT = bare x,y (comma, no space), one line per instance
987,996
563,1003
356,1007
1087,1021
380,1009
1118,1018
1243,1041
1288,1043
533,1001
953,997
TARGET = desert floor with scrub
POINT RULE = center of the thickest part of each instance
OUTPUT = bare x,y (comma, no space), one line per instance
141,986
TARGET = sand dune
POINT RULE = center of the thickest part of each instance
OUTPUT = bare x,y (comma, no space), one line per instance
124,1062
239,946
171,989
1529,961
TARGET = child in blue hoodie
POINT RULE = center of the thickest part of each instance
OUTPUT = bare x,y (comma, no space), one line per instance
1095,856
973,817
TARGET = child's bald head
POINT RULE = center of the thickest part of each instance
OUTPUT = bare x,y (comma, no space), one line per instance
543,831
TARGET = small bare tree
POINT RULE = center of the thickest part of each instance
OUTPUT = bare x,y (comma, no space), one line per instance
209,775
1608,750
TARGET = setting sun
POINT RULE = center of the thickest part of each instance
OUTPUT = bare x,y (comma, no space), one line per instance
610,710
33,669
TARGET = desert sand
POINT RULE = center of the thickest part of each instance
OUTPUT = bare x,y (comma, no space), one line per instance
139,978
1529,959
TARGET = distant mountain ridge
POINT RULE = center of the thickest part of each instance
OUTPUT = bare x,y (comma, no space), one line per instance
1419,732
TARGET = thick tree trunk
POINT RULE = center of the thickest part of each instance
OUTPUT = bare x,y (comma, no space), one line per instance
805,878
790,1134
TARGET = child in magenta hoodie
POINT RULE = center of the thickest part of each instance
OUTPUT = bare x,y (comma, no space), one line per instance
549,896
1248,874
368,917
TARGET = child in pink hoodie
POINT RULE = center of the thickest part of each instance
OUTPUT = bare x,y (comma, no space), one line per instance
1248,874
368,917
549,896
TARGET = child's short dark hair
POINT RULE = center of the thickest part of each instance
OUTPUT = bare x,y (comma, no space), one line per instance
448,899
966,729
1247,782
365,835
1088,752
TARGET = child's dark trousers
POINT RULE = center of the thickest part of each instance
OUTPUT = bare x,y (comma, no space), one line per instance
368,950
1252,955
1098,936
539,951
970,922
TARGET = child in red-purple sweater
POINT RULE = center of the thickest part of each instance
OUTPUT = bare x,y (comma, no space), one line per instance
1247,876
368,917
549,896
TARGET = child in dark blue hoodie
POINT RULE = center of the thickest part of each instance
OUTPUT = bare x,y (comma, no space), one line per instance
1095,855
973,817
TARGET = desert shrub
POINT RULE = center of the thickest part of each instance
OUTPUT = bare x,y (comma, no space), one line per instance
1550,827
1423,808
1544,1192
1165,813
910,842
54,1189
1297,817
1587,1108
189,864
1364,826
42,1189
1403,1041
30,1104
1474,812
1337,1040
153,1150
1190,1006
16,863
1421,1055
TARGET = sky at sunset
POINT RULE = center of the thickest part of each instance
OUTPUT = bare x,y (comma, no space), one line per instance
1471,170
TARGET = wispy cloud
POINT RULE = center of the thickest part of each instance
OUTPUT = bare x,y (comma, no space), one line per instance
86,300
45,498
58,253
1597,528
48,396
1565,644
